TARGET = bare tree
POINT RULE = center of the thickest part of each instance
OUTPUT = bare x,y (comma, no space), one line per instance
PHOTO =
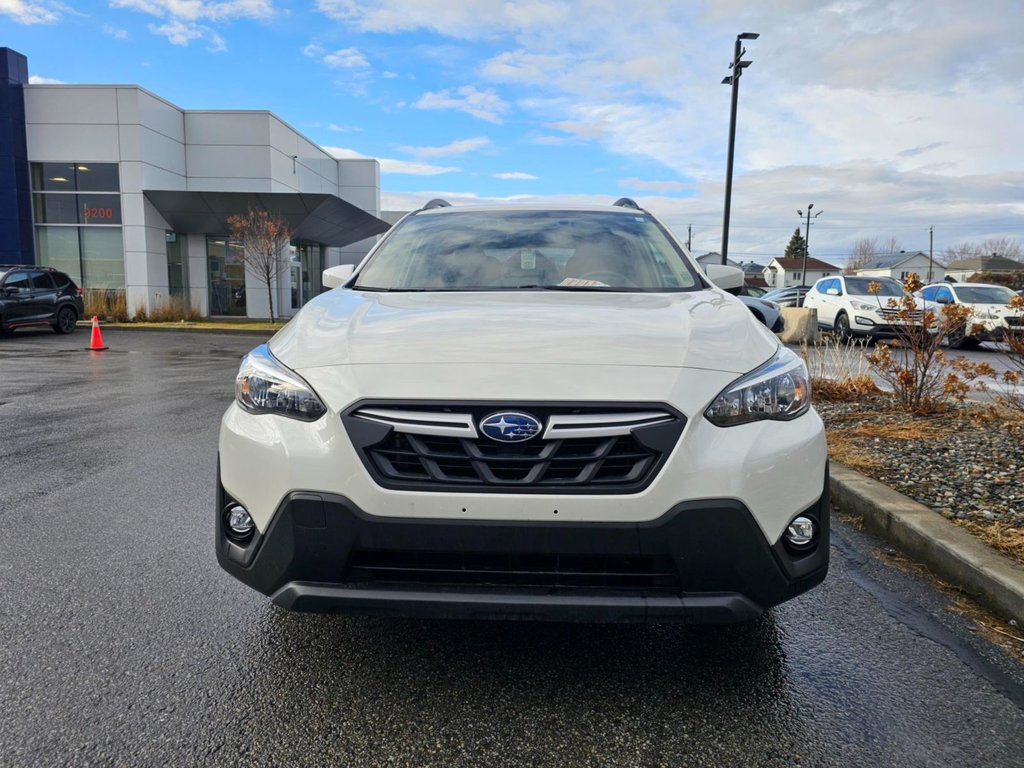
1006,247
263,236
866,250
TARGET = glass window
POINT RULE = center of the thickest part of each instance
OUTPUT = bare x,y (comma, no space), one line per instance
69,177
56,177
984,294
99,209
18,282
59,247
102,258
55,209
858,286
494,250
928,294
41,281
97,177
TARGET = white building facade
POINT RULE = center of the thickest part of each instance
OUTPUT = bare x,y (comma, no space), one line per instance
899,266
785,273
132,193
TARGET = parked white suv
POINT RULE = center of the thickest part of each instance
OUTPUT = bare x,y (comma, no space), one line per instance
991,319
525,412
847,307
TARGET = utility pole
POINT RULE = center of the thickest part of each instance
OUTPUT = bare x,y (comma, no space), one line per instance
931,242
807,240
737,67
689,237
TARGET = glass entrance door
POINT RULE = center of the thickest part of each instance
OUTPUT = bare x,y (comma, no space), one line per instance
177,266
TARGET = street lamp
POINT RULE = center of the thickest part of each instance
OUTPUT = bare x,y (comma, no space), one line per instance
737,67
807,240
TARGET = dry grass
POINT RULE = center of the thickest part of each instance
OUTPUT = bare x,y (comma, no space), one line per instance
166,310
917,429
109,305
846,450
1000,536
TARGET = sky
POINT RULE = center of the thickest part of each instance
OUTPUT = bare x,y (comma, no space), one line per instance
890,117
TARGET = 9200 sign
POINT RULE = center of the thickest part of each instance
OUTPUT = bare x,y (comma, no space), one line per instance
98,213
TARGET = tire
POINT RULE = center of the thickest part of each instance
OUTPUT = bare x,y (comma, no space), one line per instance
841,328
66,319
970,343
957,339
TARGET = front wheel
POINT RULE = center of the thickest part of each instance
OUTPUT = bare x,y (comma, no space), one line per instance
66,320
841,328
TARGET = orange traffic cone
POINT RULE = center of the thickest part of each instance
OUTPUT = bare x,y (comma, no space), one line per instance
96,342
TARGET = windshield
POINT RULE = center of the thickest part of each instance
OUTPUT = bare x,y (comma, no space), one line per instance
858,286
984,294
508,250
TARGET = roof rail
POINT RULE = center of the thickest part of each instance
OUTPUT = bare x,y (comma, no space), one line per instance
437,202
627,202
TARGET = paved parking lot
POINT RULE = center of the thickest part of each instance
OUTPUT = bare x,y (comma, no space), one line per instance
125,644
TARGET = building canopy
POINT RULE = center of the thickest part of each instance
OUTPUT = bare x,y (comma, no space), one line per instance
319,218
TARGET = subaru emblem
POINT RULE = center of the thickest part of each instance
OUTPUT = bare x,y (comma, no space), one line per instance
510,426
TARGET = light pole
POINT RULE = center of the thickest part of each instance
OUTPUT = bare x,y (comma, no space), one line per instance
737,67
807,240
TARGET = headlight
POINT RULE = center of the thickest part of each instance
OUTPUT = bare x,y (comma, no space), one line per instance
263,385
986,314
780,390
863,306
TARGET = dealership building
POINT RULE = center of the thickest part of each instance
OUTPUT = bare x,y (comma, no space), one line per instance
129,193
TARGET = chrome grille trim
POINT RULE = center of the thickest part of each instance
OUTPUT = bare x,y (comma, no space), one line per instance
601,424
434,423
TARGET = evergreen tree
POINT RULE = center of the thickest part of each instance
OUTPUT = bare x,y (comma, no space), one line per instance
795,249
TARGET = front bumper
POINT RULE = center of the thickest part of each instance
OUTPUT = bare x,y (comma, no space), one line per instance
700,562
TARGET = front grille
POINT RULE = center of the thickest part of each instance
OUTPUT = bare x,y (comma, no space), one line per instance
521,571
613,449
894,314
1017,322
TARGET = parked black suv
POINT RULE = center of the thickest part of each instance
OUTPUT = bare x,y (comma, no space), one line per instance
31,296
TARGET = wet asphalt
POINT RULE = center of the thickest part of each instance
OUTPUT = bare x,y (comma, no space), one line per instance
123,643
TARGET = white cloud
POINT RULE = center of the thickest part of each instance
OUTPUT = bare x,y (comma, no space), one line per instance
515,176
312,50
484,105
182,33
39,80
389,165
25,12
389,75
346,58
343,128
653,186
182,18
467,19
458,147
115,32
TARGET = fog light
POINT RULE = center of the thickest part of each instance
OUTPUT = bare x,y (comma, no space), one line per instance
800,532
239,522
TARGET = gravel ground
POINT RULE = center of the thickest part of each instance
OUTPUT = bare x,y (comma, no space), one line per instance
966,464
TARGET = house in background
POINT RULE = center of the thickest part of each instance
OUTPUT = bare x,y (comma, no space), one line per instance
716,258
899,266
784,273
962,269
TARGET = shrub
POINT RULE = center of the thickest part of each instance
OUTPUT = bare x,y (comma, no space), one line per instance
1010,395
913,364
166,310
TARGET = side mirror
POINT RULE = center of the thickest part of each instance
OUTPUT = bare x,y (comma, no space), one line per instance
725,277
942,300
832,291
335,276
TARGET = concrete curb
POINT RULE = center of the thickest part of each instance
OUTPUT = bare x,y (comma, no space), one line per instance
951,553
227,330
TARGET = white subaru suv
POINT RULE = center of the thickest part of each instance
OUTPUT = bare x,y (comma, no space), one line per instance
525,412
991,318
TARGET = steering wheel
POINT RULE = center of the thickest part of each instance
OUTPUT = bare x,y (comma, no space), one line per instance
616,279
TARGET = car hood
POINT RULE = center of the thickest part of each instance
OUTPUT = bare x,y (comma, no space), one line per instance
700,329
